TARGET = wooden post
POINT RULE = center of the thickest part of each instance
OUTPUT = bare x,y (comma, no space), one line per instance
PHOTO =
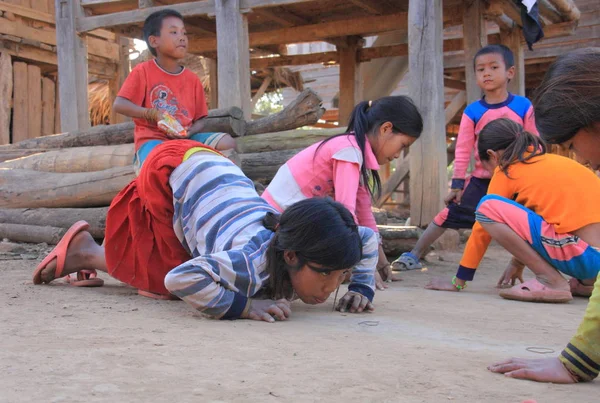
512,39
213,101
20,129
57,111
428,181
233,55
6,90
48,103
349,79
116,82
34,101
72,67
475,37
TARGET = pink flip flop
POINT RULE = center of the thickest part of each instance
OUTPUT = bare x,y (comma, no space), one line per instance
161,297
534,291
86,279
579,289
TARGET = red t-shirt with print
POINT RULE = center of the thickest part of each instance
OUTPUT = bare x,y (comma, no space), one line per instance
179,94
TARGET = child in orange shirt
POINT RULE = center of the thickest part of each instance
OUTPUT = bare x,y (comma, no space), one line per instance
543,208
162,86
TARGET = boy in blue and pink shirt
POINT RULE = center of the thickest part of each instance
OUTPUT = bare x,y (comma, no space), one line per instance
494,67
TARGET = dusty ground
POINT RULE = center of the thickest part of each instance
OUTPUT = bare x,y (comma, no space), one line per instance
63,344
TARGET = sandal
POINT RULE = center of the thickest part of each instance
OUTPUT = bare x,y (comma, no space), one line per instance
161,297
534,291
84,278
407,261
579,289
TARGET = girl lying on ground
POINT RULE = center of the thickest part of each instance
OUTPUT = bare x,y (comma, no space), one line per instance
539,212
345,166
191,226
567,110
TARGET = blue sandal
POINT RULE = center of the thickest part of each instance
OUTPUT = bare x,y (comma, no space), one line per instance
407,261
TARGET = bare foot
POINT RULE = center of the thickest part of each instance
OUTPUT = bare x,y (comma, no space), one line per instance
83,253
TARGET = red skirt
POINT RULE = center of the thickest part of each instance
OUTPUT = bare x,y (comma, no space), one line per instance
141,246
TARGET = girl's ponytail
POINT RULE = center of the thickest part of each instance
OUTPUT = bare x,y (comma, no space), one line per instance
518,144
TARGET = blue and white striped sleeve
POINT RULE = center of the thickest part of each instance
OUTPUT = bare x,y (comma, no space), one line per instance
363,274
198,282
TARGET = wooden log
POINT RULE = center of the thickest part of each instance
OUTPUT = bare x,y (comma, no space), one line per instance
398,239
284,140
57,217
26,188
32,233
48,103
305,110
226,124
265,165
34,101
20,119
6,89
566,8
381,217
76,159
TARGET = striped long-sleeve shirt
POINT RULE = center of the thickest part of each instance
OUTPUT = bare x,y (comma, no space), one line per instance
218,219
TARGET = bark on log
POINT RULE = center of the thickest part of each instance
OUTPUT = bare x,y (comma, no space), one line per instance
57,217
284,140
7,155
31,233
398,239
265,165
225,124
20,188
305,110
76,159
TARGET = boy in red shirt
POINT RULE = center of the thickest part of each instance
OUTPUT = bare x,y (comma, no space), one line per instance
162,85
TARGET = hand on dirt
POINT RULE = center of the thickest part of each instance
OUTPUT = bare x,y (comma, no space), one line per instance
512,273
540,370
268,310
455,196
441,284
354,302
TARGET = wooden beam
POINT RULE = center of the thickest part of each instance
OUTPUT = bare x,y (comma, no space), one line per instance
390,186
72,67
567,9
457,103
372,7
136,16
428,178
454,84
48,104
308,33
248,4
116,81
26,12
282,17
145,3
261,90
509,8
548,11
233,56
6,90
34,101
349,81
512,40
475,37
213,84
20,119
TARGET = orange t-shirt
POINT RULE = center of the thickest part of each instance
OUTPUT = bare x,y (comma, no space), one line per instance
179,94
562,191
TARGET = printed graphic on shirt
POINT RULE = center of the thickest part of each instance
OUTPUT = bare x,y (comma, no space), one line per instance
162,98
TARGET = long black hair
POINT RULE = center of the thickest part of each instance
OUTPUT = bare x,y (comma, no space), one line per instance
518,144
365,120
568,99
318,230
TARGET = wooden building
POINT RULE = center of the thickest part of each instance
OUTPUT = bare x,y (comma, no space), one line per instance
433,39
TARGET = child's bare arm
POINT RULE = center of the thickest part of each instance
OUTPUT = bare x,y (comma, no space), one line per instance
128,108
196,127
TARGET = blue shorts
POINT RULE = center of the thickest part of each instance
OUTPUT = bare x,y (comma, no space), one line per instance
565,252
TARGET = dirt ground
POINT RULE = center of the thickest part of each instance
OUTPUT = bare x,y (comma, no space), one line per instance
64,344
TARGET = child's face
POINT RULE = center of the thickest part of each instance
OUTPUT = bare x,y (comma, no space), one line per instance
388,145
492,73
313,287
172,41
586,145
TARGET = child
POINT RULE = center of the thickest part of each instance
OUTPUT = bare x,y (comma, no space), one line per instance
567,109
162,85
495,67
192,225
345,166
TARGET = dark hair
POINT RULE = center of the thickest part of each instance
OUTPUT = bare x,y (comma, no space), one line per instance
320,231
505,134
504,51
153,25
365,120
568,99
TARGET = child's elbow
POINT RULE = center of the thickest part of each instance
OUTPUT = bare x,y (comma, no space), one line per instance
172,282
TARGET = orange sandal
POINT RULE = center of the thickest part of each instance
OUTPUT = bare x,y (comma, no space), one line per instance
534,291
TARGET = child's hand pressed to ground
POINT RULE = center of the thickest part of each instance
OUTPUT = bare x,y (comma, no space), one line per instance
539,370
455,196
267,310
354,302
444,284
512,273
